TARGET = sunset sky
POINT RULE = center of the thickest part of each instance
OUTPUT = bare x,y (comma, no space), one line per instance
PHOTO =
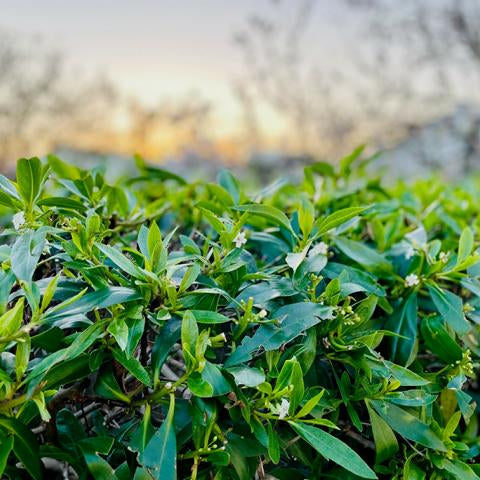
159,49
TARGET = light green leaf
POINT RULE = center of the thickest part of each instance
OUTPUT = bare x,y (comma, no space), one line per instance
465,246
189,278
12,319
337,218
272,214
207,316
29,179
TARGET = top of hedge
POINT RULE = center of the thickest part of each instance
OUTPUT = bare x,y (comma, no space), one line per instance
159,329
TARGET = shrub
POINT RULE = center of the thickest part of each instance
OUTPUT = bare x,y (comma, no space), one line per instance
158,329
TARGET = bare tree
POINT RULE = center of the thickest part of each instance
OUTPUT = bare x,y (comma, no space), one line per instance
169,126
279,77
421,58
407,63
43,103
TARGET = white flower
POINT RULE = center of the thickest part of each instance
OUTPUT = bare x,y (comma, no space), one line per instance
223,337
18,220
443,257
283,410
240,239
262,313
320,248
168,385
412,280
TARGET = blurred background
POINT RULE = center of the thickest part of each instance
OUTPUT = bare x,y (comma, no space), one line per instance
263,86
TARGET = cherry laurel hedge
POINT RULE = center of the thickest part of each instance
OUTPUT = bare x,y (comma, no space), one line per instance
159,329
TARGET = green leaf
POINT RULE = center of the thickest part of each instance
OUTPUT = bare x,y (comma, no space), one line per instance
121,261
169,335
273,445
346,162
49,292
133,366
9,188
107,387
144,432
69,429
333,449
386,444
309,405
465,246
103,298
189,336
459,469
11,320
209,317
85,339
98,467
26,252
189,278
160,454
291,375
404,323
365,256
439,341
293,319
450,307
272,214
230,184
62,203
25,446
298,388
154,173
411,471
62,169
199,386
189,331
406,377
408,425
250,377
337,218
6,446
155,251
212,374
119,329
29,179
22,356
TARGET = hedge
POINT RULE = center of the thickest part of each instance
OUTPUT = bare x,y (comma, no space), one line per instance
160,329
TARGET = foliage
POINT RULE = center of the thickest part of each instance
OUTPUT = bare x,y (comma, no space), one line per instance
156,329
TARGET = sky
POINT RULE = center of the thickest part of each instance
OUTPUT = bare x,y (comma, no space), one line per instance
159,49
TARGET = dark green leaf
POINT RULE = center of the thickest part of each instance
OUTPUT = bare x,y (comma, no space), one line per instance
333,449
